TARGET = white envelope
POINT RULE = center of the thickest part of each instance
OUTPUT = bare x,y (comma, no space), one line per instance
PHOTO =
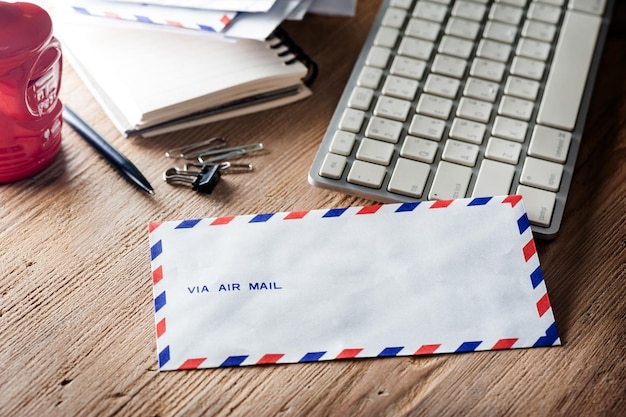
359,282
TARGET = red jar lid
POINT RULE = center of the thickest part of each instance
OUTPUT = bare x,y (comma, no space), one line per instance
24,27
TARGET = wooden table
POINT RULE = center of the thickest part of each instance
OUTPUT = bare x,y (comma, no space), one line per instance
76,313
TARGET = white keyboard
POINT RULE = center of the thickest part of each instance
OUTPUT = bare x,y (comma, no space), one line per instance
467,98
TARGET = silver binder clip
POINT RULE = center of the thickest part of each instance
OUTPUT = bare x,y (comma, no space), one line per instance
213,156
192,151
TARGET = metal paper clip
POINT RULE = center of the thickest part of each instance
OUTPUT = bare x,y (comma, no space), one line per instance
225,167
195,149
230,168
214,156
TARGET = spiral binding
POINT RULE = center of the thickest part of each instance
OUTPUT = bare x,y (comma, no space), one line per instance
291,48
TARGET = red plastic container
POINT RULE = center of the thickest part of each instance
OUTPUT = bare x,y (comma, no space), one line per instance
30,80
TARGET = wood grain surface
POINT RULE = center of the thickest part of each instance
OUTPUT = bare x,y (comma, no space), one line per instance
77,331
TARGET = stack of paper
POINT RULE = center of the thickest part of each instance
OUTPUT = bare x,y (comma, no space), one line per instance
249,19
165,65
170,64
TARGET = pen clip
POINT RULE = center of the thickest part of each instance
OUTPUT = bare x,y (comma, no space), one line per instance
228,153
196,149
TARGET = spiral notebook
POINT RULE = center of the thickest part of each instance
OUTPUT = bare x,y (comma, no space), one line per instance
151,82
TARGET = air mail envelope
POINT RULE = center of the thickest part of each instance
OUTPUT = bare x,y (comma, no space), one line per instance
358,282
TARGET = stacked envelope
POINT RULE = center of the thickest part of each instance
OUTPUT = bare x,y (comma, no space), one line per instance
248,19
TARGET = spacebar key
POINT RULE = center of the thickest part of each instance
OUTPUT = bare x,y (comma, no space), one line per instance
570,67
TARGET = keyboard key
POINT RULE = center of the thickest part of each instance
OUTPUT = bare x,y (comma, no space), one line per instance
361,98
409,178
503,150
448,65
496,51
531,48
494,178
539,30
541,174
366,174
539,204
544,12
375,151
487,69
588,6
462,28
451,181
516,107
548,143
518,3
434,106
507,128
342,143
408,67
430,11
415,48
481,89
383,129
559,3
521,87
370,77
394,18
387,37
451,45
506,14
419,149
564,87
400,87
392,108
529,68
333,166
499,31
476,110
352,120
427,127
423,29
442,85
467,10
401,4
378,57
468,131
460,152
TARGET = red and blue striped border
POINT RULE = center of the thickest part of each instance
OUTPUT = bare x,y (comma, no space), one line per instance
224,20
529,253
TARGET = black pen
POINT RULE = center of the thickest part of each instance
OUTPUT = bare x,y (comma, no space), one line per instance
105,149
